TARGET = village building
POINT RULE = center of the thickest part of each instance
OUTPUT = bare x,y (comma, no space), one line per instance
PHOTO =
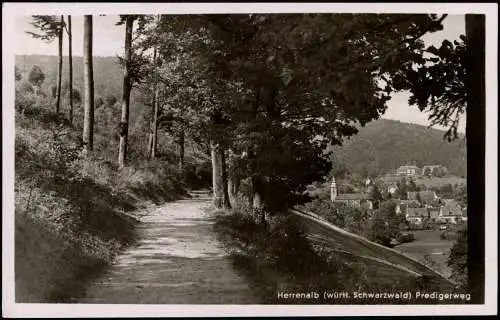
450,212
434,214
403,205
410,203
417,216
408,171
425,198
357,200
389,178
389,183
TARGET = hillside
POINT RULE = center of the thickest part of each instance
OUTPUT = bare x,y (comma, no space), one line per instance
108,75
384,145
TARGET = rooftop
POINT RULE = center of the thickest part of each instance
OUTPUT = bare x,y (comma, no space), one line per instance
417,212
433,166
408,167
451,208
425,196
353,196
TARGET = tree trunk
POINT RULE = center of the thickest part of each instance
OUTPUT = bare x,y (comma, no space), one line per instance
217,179
122,153
233,187
230,187
70,60
233,182
88,122
59,65
258,199
226,201
181,150
154,114
151,141
149,152
475,131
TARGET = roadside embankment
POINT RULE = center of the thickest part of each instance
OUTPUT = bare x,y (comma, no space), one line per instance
73,214
279,257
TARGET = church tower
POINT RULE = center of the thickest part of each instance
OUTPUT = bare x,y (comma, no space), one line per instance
333,190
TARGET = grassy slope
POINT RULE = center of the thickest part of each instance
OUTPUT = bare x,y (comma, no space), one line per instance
73,215
387,144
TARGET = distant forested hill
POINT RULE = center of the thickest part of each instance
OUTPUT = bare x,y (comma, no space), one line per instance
108,76
384,145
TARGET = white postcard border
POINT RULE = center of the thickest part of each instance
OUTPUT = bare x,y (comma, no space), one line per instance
12,309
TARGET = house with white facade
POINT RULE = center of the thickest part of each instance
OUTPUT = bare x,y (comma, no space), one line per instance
451,212
409,171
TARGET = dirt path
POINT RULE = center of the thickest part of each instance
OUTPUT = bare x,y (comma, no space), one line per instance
176,260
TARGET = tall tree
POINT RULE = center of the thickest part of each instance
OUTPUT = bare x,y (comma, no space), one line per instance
181,142
88,76
280,81
217,178
60,38
153,136
156,102
70,60
127,87
51,27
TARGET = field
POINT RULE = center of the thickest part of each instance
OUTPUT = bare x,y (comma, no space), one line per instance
429,249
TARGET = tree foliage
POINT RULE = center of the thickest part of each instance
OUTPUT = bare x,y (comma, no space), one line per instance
285,85
49,27
36,76
437,84
17,73
385,224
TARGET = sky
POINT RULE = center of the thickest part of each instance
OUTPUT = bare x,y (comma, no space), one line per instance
108,41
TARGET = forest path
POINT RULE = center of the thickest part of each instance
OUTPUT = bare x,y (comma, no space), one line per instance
177,259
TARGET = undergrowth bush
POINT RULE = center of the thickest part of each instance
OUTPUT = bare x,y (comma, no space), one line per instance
279,257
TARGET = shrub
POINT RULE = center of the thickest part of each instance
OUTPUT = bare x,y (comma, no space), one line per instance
405,237
328,210
457,260
379,232
153,180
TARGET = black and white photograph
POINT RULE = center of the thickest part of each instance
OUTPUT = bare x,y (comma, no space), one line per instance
249,159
